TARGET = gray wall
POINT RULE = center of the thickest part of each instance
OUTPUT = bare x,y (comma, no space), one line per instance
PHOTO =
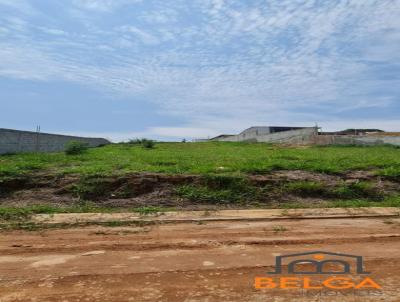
15,141
253,132
300,136
303,136
358,140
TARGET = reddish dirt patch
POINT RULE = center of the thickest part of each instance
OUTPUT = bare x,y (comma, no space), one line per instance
188,262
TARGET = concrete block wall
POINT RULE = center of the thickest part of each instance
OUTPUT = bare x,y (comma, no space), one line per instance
302,136
16,141
299,136
357,140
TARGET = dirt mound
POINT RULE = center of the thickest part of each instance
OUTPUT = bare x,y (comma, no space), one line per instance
181,190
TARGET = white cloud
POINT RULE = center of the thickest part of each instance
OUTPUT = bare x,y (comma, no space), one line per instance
22,6
145,37
181,132
103,5
161,16
53,31
340,124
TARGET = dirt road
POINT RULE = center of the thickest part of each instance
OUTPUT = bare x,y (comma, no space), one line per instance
200,261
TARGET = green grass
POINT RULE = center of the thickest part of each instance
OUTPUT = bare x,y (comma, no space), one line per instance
279,229
149,210
206,158
361,189
389,201
231,190
219,189
23,213
224,166
306,188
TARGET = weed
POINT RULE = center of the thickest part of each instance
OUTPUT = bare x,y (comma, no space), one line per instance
93,188
206,213
14,214
279,229
204,194
220,189
285,212
360,189
148,210
306,188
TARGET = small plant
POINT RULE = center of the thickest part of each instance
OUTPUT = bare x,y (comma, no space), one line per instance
306,188
75,148
360,189
285,212
279,228
14,214
148,210
148,143
206,213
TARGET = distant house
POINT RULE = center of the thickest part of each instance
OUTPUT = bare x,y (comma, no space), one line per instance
311,135
264,130
353,132
266,133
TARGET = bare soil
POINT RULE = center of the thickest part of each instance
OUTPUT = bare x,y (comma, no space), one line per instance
213,261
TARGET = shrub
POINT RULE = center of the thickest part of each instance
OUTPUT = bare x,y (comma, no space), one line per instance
75,148
148,143
135,141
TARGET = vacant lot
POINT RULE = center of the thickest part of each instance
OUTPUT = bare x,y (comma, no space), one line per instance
200,175
192,261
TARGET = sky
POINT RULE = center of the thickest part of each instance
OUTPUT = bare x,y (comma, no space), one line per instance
174,69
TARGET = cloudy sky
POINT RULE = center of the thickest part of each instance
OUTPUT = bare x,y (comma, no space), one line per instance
169,69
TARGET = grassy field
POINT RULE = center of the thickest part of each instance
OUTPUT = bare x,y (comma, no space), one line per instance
101,174
206,158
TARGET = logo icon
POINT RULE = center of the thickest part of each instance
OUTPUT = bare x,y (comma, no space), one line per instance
319,263
333,271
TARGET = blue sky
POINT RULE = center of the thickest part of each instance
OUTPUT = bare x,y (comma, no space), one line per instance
169,69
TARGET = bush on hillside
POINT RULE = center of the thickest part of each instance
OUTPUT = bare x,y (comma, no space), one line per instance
135,141
148,143
75,148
